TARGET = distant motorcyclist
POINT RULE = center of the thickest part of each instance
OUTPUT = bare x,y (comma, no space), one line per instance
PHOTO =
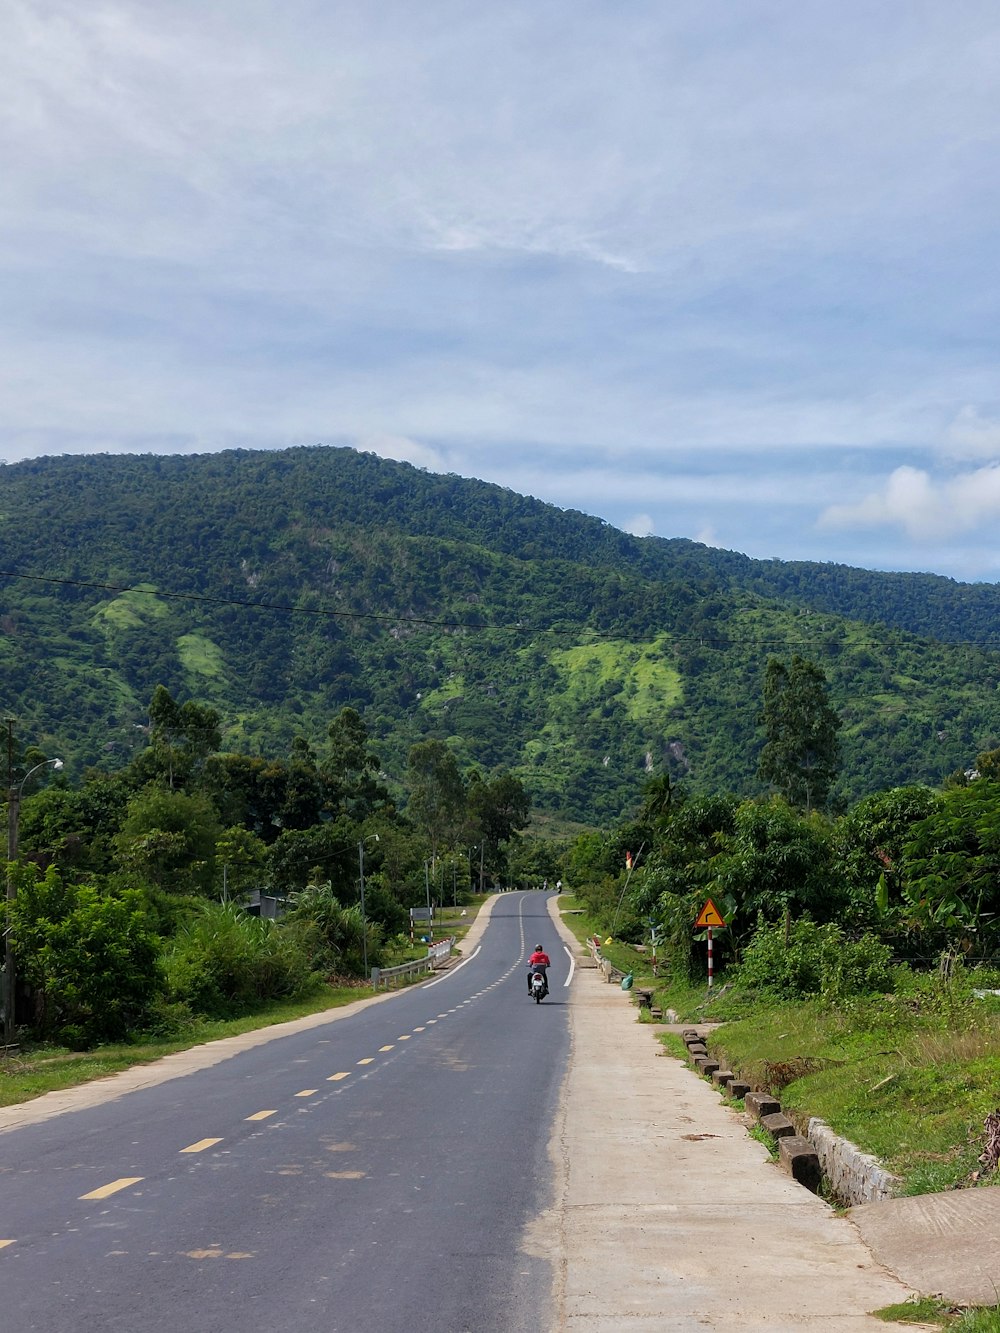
539,962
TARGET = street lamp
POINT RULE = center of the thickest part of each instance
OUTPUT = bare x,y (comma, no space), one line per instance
13,816
373,837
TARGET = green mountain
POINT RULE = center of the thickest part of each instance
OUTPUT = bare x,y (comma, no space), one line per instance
279,587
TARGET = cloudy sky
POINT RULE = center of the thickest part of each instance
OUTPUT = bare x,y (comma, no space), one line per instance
725,270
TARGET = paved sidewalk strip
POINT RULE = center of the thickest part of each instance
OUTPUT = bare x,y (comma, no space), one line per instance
669,1216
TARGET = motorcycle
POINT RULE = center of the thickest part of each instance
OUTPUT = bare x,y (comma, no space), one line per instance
539,986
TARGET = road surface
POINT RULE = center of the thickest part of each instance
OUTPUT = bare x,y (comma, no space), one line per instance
374,1172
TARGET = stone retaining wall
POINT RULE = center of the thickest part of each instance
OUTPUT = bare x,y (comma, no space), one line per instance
851,1175
854,1176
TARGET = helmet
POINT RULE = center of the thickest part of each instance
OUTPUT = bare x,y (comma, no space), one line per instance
539,949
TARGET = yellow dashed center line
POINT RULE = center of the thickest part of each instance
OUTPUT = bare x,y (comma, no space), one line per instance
418,1029
386,1048
406,1038
335,1078
5,1243
368,1060
307,1092
113,1188
261,1115
431,1022
201,1145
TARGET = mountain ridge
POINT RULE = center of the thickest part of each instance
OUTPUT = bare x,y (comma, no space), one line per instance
293,582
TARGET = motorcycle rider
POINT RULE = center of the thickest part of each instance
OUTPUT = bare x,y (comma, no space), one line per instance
539,962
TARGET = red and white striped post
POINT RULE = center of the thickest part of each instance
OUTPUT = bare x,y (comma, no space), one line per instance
709,957
708,917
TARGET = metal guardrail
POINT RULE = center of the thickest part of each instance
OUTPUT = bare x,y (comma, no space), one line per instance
388,976
611,973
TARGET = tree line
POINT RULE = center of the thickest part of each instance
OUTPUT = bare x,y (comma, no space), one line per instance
812,899
131,887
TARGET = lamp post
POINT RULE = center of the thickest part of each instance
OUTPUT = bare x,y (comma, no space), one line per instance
13,816
373,837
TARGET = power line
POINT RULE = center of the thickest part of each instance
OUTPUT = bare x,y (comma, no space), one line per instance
326,613
321,612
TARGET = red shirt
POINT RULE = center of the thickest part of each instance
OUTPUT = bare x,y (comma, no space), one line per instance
539,959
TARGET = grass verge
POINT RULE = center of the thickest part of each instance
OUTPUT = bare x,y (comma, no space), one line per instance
32,1072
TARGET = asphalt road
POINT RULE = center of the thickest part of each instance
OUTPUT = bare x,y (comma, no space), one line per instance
374,1173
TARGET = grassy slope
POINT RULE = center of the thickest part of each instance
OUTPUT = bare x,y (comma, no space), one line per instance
908,1077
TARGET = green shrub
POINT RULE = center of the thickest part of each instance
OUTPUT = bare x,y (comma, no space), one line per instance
226,963
810,959
334,937
89,959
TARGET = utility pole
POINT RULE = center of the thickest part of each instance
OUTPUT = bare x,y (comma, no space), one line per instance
8,953
430,910
13,812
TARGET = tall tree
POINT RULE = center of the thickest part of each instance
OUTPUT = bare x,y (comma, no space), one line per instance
352,768
437,794
801,751
497,810
181,736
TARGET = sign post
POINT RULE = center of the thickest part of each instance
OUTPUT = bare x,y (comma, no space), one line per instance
709,918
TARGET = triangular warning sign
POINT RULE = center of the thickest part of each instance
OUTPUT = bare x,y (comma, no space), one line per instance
709,916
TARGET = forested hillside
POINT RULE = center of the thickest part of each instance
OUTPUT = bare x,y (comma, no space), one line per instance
279,587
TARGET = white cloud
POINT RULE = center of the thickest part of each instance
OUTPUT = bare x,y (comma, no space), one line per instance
726,264
973,436
708,537
924,506
640,525
404,450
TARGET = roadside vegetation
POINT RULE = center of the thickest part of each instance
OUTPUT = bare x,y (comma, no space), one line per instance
856,973
195,887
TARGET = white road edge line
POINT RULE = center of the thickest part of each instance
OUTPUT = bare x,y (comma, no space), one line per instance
452,970
572,966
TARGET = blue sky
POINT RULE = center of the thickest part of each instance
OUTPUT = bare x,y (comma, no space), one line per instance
726,271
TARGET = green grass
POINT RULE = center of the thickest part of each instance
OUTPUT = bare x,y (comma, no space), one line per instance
898,1083
927,1310
35,1071
200,656
909,1077
130,609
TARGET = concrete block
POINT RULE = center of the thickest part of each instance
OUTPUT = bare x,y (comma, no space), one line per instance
722,1078
777,1125
706,1065
801,1160
697,1049
738,1089
761,1103
691,1032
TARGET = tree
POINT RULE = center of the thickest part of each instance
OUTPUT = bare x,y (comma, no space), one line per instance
352,768
497,810
869,843
241,858
90,959
181,736
168,838
801,751
951,887
437,794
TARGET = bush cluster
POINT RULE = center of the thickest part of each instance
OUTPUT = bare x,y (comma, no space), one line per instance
809,959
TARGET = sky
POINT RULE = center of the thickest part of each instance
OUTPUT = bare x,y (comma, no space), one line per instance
724,271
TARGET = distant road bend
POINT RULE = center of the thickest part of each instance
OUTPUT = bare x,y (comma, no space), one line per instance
377,1172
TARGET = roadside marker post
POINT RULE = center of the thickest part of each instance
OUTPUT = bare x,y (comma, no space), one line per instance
710,918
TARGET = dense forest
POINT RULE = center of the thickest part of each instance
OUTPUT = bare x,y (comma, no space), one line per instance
278,588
